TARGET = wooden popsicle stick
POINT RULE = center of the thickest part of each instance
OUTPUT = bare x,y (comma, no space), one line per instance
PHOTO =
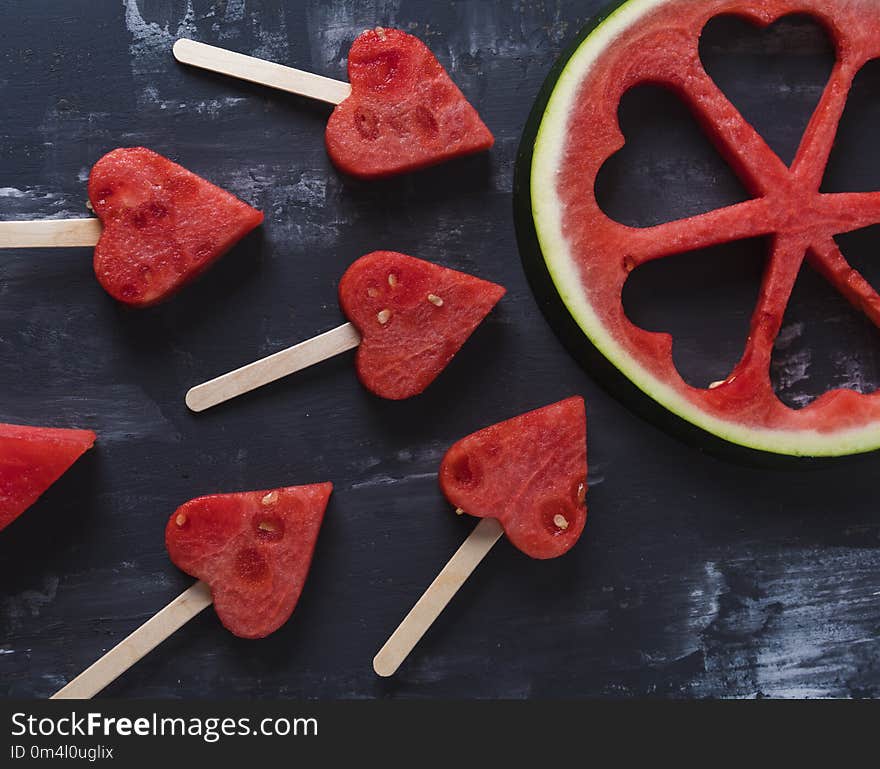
439,593
272,367
50,233
136,646
255,70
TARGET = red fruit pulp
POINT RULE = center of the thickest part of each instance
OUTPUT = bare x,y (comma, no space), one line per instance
31,460
591,256
163,225
413,317
404,112
529,472
253,549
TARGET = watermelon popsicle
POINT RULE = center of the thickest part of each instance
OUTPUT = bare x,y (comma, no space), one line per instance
162,226
401,112
251,552
526,478
409,318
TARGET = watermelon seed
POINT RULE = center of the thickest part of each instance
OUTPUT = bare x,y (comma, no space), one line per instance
435,300
181,519
268,527
560,521
581,493
392,279
459,511
372,293
629,264
270,499
380,32
383,316
720,382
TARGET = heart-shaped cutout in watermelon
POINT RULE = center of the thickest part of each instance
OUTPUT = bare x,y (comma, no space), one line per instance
253,549
163,225
667,168
404,112
529,472
413,316
774,74
31,460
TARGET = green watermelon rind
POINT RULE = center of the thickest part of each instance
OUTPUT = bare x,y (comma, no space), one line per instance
555,279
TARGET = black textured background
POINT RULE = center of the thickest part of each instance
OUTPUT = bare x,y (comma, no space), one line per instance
694,577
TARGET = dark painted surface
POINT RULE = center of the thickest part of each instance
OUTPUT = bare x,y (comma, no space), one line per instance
694,577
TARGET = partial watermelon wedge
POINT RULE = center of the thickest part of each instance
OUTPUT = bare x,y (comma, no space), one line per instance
253,549
530,473
31,460
413,316
163,225
404,112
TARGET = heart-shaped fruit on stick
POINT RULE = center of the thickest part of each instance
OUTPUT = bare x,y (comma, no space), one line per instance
409,317
404,112
251,552
526,477
530,473
413,316
400,113
163,225
31,460
253,549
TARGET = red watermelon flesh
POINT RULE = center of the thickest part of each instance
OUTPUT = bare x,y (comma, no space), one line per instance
413,317
530,473
163,225
31,460
253,549
662,47
404,112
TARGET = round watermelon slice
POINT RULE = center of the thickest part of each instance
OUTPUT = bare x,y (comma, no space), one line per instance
578,258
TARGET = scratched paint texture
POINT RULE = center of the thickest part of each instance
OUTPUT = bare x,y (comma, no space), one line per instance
694,577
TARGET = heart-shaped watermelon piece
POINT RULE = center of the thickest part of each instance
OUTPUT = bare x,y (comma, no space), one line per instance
253,549
413,316
404,112
530,473
31,460
163,225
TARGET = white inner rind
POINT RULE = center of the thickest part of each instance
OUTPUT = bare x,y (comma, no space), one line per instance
547,210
